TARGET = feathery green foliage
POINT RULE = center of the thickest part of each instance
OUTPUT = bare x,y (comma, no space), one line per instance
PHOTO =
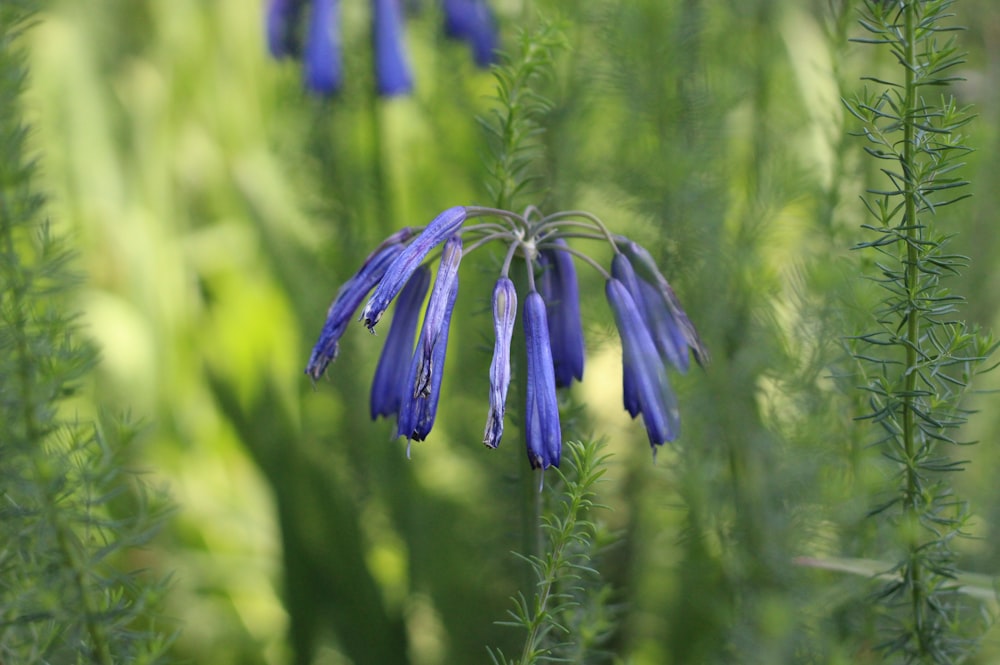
71,515
560,618
918,359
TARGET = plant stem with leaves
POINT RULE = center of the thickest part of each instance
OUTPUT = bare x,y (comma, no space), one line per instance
919,358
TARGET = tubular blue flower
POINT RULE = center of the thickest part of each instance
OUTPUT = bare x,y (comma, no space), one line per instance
559,289
418,406
445,285
646,375
390,374
443,226
392,71
541,419
346,303
647,270
663,328
472,22
321,54
504,313
281,22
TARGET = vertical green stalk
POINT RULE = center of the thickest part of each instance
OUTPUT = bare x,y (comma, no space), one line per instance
913,317
915,391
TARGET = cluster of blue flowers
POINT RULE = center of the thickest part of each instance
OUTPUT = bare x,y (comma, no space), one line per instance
310,30
654,330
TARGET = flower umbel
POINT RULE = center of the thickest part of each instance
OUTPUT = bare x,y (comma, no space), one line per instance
654,329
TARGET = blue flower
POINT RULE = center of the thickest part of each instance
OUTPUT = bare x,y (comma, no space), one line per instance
444,225
446,282
392,71
541,418
390,374
504,313
472,21
282,22
347,301
322,61
647,271
559,289
422,388
647,388
654,329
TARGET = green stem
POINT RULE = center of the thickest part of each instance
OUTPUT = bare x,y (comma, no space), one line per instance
910,505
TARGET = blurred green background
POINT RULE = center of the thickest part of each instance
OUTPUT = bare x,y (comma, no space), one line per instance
216,208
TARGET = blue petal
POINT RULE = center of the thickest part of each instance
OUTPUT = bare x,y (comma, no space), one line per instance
561,293
472,22
541,423
648,271
443,226
282,19
346,303
322,61
504,313
390,375
392,71
442,299
641,362
422,388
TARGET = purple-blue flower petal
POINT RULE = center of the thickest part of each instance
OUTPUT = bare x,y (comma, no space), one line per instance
647,270
321,56
442,299
392,70
418,409
345,304
542,430
559,289
504,313
641,362
472,22
390,374
443,226
281,22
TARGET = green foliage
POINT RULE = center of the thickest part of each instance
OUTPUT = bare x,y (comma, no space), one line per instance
72,517
215,209
515,124
567,616
919,359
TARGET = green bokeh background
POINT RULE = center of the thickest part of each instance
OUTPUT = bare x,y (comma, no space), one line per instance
216,208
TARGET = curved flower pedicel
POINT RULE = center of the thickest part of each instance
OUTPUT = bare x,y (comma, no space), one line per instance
654,329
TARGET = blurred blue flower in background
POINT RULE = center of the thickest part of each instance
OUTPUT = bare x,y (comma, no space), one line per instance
310,30
472,22
655,331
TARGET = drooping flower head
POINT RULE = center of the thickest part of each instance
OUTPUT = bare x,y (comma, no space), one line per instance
655,331
310,30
